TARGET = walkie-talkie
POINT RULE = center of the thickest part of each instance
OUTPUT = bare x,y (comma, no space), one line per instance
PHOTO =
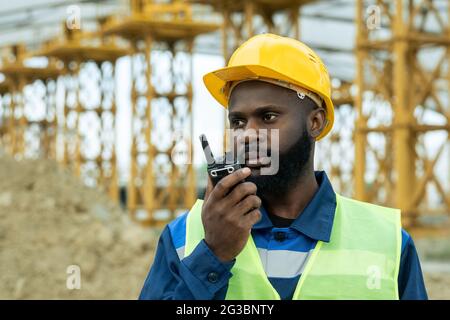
220,169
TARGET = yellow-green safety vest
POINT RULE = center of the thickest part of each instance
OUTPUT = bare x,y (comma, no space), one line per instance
361,260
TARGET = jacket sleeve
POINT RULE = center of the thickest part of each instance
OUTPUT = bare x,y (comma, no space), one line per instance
410,279
199,276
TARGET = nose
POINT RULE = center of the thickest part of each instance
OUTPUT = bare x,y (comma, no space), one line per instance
247,137
252,124
250,141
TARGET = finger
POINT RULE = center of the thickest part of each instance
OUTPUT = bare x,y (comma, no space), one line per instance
225,184
209,188
247,204
240,192
251,218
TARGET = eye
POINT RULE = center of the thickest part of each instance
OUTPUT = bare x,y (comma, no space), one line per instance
269,116
236,123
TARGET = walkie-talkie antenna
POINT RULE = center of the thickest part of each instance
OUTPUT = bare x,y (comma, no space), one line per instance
207,150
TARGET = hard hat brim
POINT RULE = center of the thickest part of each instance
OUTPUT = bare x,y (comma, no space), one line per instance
216,81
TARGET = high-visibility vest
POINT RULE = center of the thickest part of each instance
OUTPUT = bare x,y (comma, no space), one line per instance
361,260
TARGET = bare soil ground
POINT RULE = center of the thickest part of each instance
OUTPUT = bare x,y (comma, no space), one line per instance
434,252
49,220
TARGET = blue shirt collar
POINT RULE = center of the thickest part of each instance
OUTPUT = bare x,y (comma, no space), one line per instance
316,220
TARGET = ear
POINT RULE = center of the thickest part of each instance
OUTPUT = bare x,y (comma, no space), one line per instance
316,122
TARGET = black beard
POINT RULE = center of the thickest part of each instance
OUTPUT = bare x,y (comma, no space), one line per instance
292,165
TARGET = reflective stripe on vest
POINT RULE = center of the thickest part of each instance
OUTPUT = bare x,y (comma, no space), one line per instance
361,261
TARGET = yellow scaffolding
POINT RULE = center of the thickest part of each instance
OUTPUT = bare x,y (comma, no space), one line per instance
28,132
5,100
162,35
89,62
402,105
243,19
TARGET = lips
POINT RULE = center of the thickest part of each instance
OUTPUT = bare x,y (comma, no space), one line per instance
255,158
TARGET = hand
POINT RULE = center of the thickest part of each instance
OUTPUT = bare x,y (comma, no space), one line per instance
229,211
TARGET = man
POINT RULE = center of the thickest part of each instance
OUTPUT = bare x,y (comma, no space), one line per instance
286,235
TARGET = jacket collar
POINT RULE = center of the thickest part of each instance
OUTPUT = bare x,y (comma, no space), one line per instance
316,220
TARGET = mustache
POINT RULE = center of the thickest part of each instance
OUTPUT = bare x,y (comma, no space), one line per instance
258,157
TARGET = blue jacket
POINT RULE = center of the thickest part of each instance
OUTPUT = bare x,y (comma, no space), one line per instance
283,252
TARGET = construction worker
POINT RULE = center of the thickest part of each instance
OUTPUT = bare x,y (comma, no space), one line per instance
286,235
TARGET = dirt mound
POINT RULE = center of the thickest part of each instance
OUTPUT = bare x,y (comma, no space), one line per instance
438,285
50,221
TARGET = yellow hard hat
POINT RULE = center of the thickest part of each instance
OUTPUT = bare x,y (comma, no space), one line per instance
270,57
